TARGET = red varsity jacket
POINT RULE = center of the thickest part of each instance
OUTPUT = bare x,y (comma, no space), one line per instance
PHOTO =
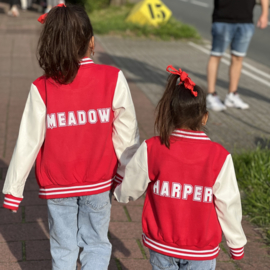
81,135
191,196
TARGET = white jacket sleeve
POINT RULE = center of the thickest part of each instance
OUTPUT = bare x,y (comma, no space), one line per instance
136,178
126,139
30,139
229,210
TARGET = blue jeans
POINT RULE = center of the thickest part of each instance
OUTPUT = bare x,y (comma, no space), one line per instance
163,262
80,222
237,35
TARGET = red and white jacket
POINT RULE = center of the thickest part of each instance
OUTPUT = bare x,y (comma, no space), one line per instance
81,135
192,196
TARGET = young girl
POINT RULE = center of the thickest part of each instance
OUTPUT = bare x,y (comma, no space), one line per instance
79,124
191,190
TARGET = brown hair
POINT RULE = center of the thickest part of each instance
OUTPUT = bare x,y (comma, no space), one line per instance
63,42
179,108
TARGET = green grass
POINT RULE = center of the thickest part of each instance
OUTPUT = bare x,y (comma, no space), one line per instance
111,20
253,175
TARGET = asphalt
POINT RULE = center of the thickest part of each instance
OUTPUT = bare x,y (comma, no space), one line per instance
199,14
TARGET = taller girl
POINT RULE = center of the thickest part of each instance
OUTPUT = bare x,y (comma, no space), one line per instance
79,124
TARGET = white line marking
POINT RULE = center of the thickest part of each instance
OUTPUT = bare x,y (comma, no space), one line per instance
198,3
249,74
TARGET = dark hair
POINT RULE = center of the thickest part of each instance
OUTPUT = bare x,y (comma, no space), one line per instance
179,108
63,42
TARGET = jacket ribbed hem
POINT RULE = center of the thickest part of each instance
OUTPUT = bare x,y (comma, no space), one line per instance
11,202
75,191
118,179
237,253
187,254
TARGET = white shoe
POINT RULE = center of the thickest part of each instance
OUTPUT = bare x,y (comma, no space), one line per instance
213,103
13,11
234,100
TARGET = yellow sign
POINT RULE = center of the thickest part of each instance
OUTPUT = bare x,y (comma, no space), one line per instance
152,12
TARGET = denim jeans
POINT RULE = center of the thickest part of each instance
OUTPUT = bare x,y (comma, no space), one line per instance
163,262
80,222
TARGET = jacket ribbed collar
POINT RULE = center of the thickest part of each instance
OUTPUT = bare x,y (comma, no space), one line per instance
190,135
86,61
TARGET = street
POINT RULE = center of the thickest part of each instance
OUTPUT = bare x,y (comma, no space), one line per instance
199,14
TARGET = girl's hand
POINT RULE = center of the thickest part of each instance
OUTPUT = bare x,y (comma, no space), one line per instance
13,211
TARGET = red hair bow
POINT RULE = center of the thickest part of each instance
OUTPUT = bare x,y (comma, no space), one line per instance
42,18
188,83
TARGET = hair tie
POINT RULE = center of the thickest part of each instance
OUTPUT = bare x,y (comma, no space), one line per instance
42,18
188,83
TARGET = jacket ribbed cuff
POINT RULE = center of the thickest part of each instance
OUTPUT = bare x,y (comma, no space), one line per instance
237,253
118,179
11,202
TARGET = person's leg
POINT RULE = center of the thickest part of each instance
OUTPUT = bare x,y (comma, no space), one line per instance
11,3
212,70
235,72
62,215
239,46
197,265
212,100
24,4
13,8
221,37
162,262
93,223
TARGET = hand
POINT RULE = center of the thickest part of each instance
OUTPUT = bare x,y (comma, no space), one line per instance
262,22
13,211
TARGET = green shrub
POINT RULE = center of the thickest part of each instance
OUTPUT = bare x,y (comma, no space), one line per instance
112,20
92,5
253,175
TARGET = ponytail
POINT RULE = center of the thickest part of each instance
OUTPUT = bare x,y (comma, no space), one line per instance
179,108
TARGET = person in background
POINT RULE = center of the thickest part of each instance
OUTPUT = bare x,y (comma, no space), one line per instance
13,11
53,3
232,25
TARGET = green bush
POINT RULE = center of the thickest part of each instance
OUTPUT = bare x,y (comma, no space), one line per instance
253,175
92,5
113,20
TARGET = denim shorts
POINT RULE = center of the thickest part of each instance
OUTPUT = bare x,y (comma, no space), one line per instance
163,262
237,35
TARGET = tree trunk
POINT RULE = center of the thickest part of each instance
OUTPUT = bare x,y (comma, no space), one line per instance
117,2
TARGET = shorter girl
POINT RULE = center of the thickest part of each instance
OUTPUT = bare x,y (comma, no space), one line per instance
191,189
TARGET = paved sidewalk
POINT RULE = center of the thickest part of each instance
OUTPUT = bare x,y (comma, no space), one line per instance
24,236
145,62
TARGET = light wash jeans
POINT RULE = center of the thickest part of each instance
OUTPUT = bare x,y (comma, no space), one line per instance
163,262
80,222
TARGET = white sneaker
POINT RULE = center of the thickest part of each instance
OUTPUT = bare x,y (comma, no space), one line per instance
213,103
234,100
14,12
